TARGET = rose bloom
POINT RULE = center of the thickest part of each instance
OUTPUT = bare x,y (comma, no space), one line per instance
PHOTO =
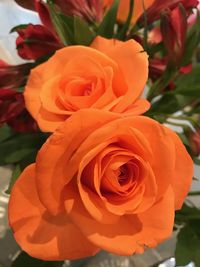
139,7
100,182
110,75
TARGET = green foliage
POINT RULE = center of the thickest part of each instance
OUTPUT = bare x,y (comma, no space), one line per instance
61,28
159,85
83,35
123,32
5,133
168,103
19,27
107,26
19,149
14,150
16,173
188,243
192,42
24,260
189,84
197,161
71,30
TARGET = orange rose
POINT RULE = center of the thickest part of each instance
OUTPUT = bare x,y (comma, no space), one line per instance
139,7
101,181
78,77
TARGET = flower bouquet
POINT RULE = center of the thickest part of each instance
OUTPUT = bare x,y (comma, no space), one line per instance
102,127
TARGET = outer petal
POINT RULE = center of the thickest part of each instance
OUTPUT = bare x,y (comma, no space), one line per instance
163,150
139,107
133,63
131,233
105,45
38,233
183,171
54,167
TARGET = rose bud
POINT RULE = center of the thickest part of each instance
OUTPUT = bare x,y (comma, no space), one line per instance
194,140
124,6
36,41
14,113
173,28
110,75
100,182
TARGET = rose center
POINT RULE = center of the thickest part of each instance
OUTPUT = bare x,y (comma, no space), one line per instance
122,175
87,90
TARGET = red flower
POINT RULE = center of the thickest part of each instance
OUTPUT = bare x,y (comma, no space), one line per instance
194,140
153,13
44,14
173,29
156,68
36,41
12,77
14,113
89,10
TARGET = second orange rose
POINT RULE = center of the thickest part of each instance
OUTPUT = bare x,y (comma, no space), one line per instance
110,75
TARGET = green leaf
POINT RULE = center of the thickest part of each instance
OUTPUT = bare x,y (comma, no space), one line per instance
24,260
62,29
197,161
71,30
19,27
189,212
15,149
192,42
68,24
194,193
188,244
122,34
18,155
189,84
168,103
15,175
184,139
106,28
159,85
83,35
5,133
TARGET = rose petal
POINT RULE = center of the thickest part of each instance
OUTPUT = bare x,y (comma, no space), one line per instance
133,63
54,158
48,121
56,63
131,233
163,151
40,234
183,171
